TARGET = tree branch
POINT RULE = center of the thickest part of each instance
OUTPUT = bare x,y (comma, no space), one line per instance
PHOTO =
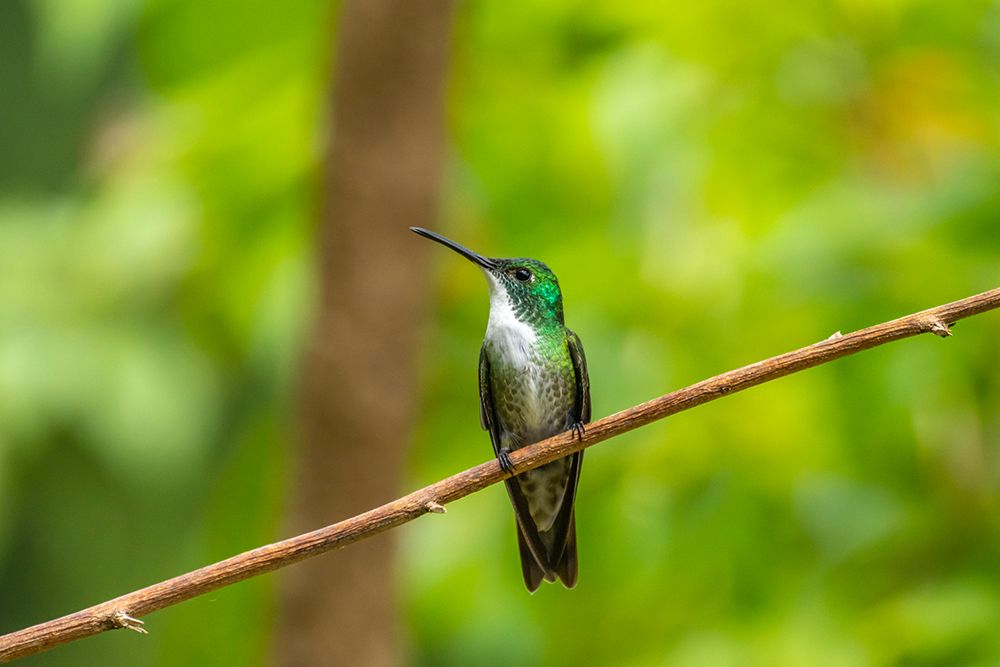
123,612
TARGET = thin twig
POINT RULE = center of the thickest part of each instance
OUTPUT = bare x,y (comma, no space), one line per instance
123,611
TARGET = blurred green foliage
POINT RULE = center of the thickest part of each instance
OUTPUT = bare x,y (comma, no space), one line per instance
714,183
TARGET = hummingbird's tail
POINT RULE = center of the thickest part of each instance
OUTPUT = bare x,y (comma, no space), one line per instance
564,569
530,569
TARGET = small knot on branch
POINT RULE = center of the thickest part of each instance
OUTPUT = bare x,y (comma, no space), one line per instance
434,507
835,335
121,619
939,328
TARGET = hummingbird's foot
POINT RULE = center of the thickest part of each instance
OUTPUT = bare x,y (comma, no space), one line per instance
578,430
503,456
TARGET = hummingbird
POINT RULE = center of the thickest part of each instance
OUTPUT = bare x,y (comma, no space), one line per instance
533,384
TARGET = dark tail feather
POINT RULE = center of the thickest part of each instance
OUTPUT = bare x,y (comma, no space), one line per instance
566,569
532,572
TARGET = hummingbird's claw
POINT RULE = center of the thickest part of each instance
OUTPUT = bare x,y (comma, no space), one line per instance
578,430
503,456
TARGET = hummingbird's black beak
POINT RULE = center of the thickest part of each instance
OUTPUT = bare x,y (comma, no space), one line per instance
484,262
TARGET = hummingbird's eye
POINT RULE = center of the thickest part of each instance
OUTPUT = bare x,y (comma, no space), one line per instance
524,275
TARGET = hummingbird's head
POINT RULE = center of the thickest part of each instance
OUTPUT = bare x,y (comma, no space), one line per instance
526,286
530,287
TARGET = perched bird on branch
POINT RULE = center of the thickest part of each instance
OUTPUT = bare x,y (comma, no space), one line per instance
533,384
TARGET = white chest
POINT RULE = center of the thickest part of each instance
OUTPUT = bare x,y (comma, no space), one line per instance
512,340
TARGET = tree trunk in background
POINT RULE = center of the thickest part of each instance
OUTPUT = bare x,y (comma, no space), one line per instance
382,175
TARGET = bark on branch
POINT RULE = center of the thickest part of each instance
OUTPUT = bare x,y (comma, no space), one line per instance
123,612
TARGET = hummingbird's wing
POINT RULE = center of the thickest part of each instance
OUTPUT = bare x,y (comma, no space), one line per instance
582,377
533,551
563,531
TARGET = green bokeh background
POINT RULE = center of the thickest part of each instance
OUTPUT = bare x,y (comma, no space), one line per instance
713,182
